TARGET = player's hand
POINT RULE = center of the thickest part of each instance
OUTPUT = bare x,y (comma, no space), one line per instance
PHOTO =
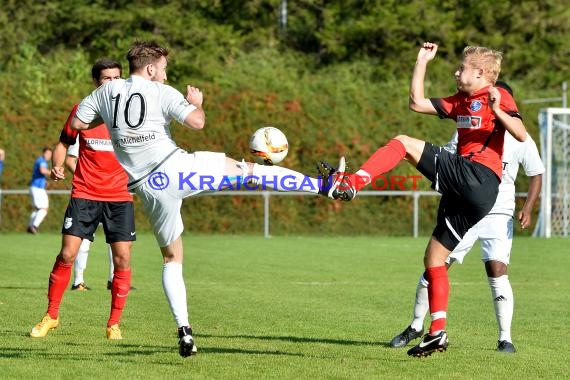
524,219
194,96
494,98
57,173
427,51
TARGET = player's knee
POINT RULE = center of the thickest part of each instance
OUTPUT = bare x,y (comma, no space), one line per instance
495,268
122,263
67,255
404,139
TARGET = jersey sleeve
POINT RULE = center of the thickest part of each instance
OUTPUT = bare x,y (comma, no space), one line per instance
445,107
508,104
68,136
86,110
530,160
175,105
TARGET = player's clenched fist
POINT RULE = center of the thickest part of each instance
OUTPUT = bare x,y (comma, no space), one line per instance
427,51
494,98
194,95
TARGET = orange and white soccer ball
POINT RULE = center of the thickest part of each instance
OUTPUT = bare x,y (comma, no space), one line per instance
268,145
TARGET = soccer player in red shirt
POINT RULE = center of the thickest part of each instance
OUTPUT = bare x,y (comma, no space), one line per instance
99,195
468,180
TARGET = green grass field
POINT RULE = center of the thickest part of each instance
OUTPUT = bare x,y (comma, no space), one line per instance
285,308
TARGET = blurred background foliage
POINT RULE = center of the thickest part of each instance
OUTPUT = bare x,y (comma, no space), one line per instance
334,77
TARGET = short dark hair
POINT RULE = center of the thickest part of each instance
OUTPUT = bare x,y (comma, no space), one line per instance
104,64
144,53
45,149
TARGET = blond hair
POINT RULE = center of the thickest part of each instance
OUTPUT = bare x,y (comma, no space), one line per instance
486,59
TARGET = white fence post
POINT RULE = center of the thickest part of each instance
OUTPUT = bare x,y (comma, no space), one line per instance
266,195
416,214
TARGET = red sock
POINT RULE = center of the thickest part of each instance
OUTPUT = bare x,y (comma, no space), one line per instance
383,160
119,293
58,281
438,293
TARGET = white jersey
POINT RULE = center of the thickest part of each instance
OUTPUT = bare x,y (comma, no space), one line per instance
137,113
515,153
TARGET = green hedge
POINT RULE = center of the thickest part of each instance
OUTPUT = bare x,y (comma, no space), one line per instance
336,83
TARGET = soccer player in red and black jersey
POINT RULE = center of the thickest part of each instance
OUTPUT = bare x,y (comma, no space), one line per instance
99,195
468,180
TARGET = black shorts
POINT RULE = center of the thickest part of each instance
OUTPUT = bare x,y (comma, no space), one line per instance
83,216
469,191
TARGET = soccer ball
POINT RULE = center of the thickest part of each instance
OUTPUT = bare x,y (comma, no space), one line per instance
268,145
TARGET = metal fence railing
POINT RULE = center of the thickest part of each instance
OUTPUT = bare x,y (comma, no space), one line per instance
415,195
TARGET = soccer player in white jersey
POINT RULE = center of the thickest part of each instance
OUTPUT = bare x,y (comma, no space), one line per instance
137,112
495,232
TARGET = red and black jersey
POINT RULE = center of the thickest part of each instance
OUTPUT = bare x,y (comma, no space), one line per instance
98,175
480,134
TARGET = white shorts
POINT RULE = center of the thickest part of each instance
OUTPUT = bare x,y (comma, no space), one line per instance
39,197
495,232
182,175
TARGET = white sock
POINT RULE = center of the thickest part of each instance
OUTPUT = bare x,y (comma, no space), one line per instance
39,218
111,265
283,179
81,262
504,303
364,176
175,290
421,305
32,217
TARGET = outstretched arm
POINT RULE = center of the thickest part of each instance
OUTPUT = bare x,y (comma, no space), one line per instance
417,100
525,215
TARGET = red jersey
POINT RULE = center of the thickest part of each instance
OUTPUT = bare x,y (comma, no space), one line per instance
480,134
98,175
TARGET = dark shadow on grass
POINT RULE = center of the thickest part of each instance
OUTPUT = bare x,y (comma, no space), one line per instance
134,350
131,349
220,350
296,339
15,353
42,287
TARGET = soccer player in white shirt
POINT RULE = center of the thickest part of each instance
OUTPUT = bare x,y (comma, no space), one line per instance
495,232
138,112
